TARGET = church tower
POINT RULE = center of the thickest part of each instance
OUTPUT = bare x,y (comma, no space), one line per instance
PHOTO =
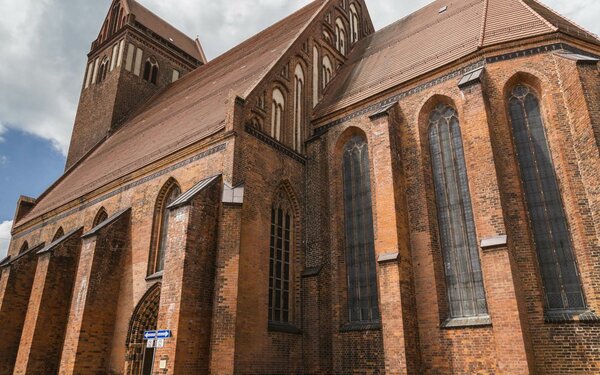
135,55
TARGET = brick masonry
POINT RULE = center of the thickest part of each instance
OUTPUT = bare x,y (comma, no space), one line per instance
95,296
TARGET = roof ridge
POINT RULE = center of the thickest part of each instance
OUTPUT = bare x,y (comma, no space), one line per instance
566,18
548,23
290,44
484,23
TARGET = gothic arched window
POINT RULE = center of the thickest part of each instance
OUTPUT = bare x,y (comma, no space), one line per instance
103,70
464,279
151,70
101,216
340,36
327,71
544,202
363,304
281,260
354,22
168,194
298,108
277,114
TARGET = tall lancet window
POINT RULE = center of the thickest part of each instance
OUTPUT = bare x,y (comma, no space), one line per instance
168,194
280,260
298,108
544,203
277,114
464,279
360,245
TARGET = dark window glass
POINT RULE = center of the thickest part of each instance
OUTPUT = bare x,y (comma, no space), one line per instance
279,265
171,196
544,203
154,74
360,247
458,239
147,71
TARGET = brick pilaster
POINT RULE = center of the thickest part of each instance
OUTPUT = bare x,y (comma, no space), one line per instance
504,298
93,307
222,348
396,292
15,290
188,283
48,311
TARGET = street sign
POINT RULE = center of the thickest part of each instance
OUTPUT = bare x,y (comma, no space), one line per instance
150,335
163,334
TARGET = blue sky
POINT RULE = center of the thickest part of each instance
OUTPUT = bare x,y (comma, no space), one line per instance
43,44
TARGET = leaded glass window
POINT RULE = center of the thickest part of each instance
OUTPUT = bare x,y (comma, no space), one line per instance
361,270
544,203
280,263
464,279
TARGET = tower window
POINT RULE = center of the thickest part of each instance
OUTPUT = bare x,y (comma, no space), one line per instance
464,279
103,70
544,202
151,70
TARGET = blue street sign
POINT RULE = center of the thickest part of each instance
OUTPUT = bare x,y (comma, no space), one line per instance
163,334
148,335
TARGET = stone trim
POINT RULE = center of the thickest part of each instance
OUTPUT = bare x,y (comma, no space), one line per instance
571,316
360,326
284,328
9,261
311,272
275,144
155,276
388,258
187,197
54,244
475,321
106,223
124,188
490,243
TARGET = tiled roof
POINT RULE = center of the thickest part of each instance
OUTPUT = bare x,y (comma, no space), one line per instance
166,31
184,113
438,34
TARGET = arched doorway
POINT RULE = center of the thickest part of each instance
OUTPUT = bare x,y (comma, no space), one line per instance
145,318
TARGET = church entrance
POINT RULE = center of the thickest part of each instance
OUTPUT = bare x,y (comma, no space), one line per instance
140,358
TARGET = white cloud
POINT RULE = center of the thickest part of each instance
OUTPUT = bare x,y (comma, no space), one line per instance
2,131
5,228
3,160
43,44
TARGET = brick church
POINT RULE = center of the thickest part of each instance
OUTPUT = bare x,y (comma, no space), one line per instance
323,198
